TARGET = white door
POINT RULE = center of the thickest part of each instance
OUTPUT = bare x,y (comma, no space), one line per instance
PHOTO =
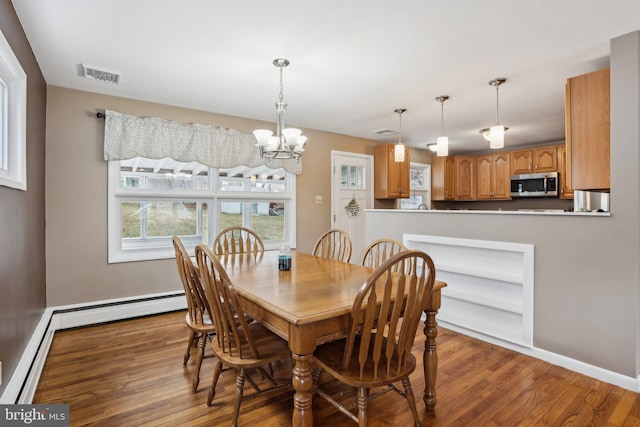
351,194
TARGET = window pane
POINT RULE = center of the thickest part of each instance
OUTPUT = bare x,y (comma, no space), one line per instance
417,178
150,219
352,177
264,217
231,214
260,179
163,174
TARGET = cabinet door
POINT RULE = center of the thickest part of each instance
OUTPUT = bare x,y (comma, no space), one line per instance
465,177
521,162
502,176
442,181
484,177
545,159
391,177
566,192
588,131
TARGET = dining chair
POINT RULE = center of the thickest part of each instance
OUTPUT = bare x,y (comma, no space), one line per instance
378,252
233,240
237,343
384,320
197,318
334,244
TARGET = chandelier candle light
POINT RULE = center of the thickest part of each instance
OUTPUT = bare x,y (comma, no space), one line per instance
495,134
288,143
399,148
442,142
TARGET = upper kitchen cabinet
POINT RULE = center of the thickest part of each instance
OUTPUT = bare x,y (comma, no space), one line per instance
587,131
493,178
442,178
536,160
391,177
465,177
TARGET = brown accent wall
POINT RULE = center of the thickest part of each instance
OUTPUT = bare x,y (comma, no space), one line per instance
22,235
77,195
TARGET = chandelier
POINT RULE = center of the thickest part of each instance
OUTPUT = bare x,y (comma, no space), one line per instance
287,143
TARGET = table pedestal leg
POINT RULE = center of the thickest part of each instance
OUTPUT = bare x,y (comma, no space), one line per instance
430,359
302,383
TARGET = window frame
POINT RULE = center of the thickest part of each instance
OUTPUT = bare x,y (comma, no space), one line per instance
13,140
424,191
213,196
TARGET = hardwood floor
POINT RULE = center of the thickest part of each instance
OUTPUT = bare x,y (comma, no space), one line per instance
130,373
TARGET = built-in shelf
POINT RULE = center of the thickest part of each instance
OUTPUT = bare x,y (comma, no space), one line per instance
489,284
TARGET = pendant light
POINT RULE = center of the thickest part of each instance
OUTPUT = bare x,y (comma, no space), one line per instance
442,142
495,134
399,148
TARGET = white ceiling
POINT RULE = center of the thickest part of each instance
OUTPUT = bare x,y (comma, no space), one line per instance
352,62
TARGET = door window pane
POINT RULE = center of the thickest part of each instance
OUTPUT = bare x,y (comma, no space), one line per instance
352,177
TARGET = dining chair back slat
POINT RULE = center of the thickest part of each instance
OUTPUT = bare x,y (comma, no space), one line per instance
233,240
378,252
334,244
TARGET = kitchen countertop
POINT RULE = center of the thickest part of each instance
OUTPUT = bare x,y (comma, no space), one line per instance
552,212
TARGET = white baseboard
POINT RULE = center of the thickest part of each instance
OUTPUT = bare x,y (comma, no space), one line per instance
24,381
592,371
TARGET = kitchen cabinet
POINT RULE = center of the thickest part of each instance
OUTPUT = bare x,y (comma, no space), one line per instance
465,177
536,160
442,178
391,178
566,192
587,131
493,177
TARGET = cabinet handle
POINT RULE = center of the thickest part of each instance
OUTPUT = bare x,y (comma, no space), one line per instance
536,166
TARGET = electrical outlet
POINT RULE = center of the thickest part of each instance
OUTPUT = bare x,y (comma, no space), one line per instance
318,199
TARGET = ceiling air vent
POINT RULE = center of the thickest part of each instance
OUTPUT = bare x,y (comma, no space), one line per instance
385,132
100,75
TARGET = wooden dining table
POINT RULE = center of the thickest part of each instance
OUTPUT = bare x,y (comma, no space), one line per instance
311,304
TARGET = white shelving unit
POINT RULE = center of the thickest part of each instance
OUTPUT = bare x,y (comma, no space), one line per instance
489,284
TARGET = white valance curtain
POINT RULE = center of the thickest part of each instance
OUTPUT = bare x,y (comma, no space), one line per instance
126,137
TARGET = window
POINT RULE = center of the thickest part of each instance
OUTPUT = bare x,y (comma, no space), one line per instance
152,200
420,182
13,100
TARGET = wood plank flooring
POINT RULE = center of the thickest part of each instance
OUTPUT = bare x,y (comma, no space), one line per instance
130,373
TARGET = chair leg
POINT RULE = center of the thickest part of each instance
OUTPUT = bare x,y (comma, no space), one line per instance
362,406
202,342
187,354
238,399
217,369
408,394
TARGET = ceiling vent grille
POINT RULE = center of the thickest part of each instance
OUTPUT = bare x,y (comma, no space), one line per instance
100,75
385,132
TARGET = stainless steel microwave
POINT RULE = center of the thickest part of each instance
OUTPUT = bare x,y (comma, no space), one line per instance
535,185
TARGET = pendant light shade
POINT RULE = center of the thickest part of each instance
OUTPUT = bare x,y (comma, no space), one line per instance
495,134
442,142
399,148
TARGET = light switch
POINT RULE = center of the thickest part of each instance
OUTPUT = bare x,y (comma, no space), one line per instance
318,199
